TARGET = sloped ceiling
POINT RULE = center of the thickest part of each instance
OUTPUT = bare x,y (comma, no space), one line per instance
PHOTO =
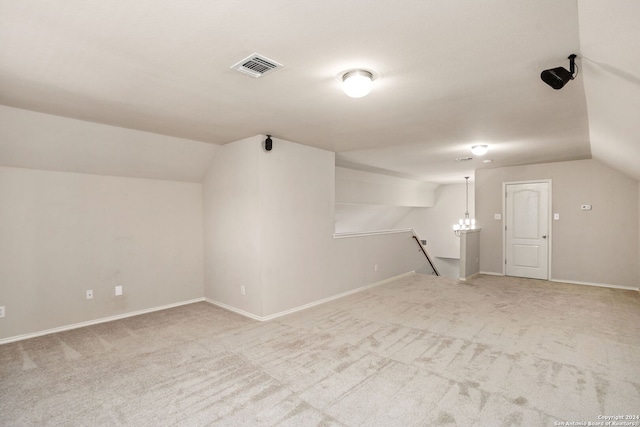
609,35
448,75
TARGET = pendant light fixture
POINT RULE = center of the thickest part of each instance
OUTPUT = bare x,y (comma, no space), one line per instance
465,223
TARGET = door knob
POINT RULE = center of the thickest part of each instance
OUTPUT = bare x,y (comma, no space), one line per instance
544,237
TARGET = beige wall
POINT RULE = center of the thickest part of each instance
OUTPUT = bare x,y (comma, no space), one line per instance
269,222
598,246
435,224
354,186
42,141
297,202
368,201
232,230
469,253
268,225
63,233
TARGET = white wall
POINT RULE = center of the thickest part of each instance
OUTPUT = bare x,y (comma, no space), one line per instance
269,222
297,193
63,233
233,226
598,246
268,225
361,218
469,253
435,225
356,259
42,141
354,186
368,201
608,34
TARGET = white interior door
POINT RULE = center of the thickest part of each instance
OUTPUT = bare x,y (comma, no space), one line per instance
527,230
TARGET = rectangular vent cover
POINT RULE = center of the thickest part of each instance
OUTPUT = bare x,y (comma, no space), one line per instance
256,65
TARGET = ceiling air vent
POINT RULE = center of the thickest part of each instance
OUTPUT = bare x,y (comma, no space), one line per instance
256,65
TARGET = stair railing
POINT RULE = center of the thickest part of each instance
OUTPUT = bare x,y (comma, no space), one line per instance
426,255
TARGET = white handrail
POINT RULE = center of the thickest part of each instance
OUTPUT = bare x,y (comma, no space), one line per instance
372,233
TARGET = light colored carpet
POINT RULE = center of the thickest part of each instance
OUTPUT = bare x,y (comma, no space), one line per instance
420,350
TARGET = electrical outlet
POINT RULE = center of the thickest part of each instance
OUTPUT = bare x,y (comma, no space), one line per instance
375,267
2,312
90,294
118,290
243,291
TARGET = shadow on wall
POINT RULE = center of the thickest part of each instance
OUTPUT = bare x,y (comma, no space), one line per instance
432,224
448,267
361,218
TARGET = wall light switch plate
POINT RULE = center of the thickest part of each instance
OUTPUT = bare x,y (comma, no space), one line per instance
2,311
497,216
118,290
556,216
585,207
90,294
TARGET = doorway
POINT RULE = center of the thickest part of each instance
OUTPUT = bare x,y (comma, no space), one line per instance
527,237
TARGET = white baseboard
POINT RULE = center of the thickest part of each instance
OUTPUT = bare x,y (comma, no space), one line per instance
601,285
576,282
234,309
95,322
305,306
491,273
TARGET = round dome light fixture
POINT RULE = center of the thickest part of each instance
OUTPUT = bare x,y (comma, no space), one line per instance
480,149
357,83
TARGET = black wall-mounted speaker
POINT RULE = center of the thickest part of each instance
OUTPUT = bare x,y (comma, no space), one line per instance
268,143
556,77
560,76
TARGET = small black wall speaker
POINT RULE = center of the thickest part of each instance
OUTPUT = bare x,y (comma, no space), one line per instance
560,76
268,143
556,77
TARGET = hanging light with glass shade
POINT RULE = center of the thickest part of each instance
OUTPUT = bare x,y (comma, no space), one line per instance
465,223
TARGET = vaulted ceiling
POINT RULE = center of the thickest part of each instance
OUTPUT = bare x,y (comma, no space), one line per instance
448,75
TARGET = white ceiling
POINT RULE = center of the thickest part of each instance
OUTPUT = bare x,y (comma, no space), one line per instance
448,74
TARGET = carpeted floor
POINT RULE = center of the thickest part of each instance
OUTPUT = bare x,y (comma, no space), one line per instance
420,350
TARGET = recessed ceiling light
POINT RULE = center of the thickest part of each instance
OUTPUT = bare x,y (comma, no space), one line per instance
480,149
463,159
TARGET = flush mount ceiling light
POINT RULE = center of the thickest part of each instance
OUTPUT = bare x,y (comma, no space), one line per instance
357,83
479,149
558,77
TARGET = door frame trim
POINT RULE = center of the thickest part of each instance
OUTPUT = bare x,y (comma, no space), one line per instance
549,220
